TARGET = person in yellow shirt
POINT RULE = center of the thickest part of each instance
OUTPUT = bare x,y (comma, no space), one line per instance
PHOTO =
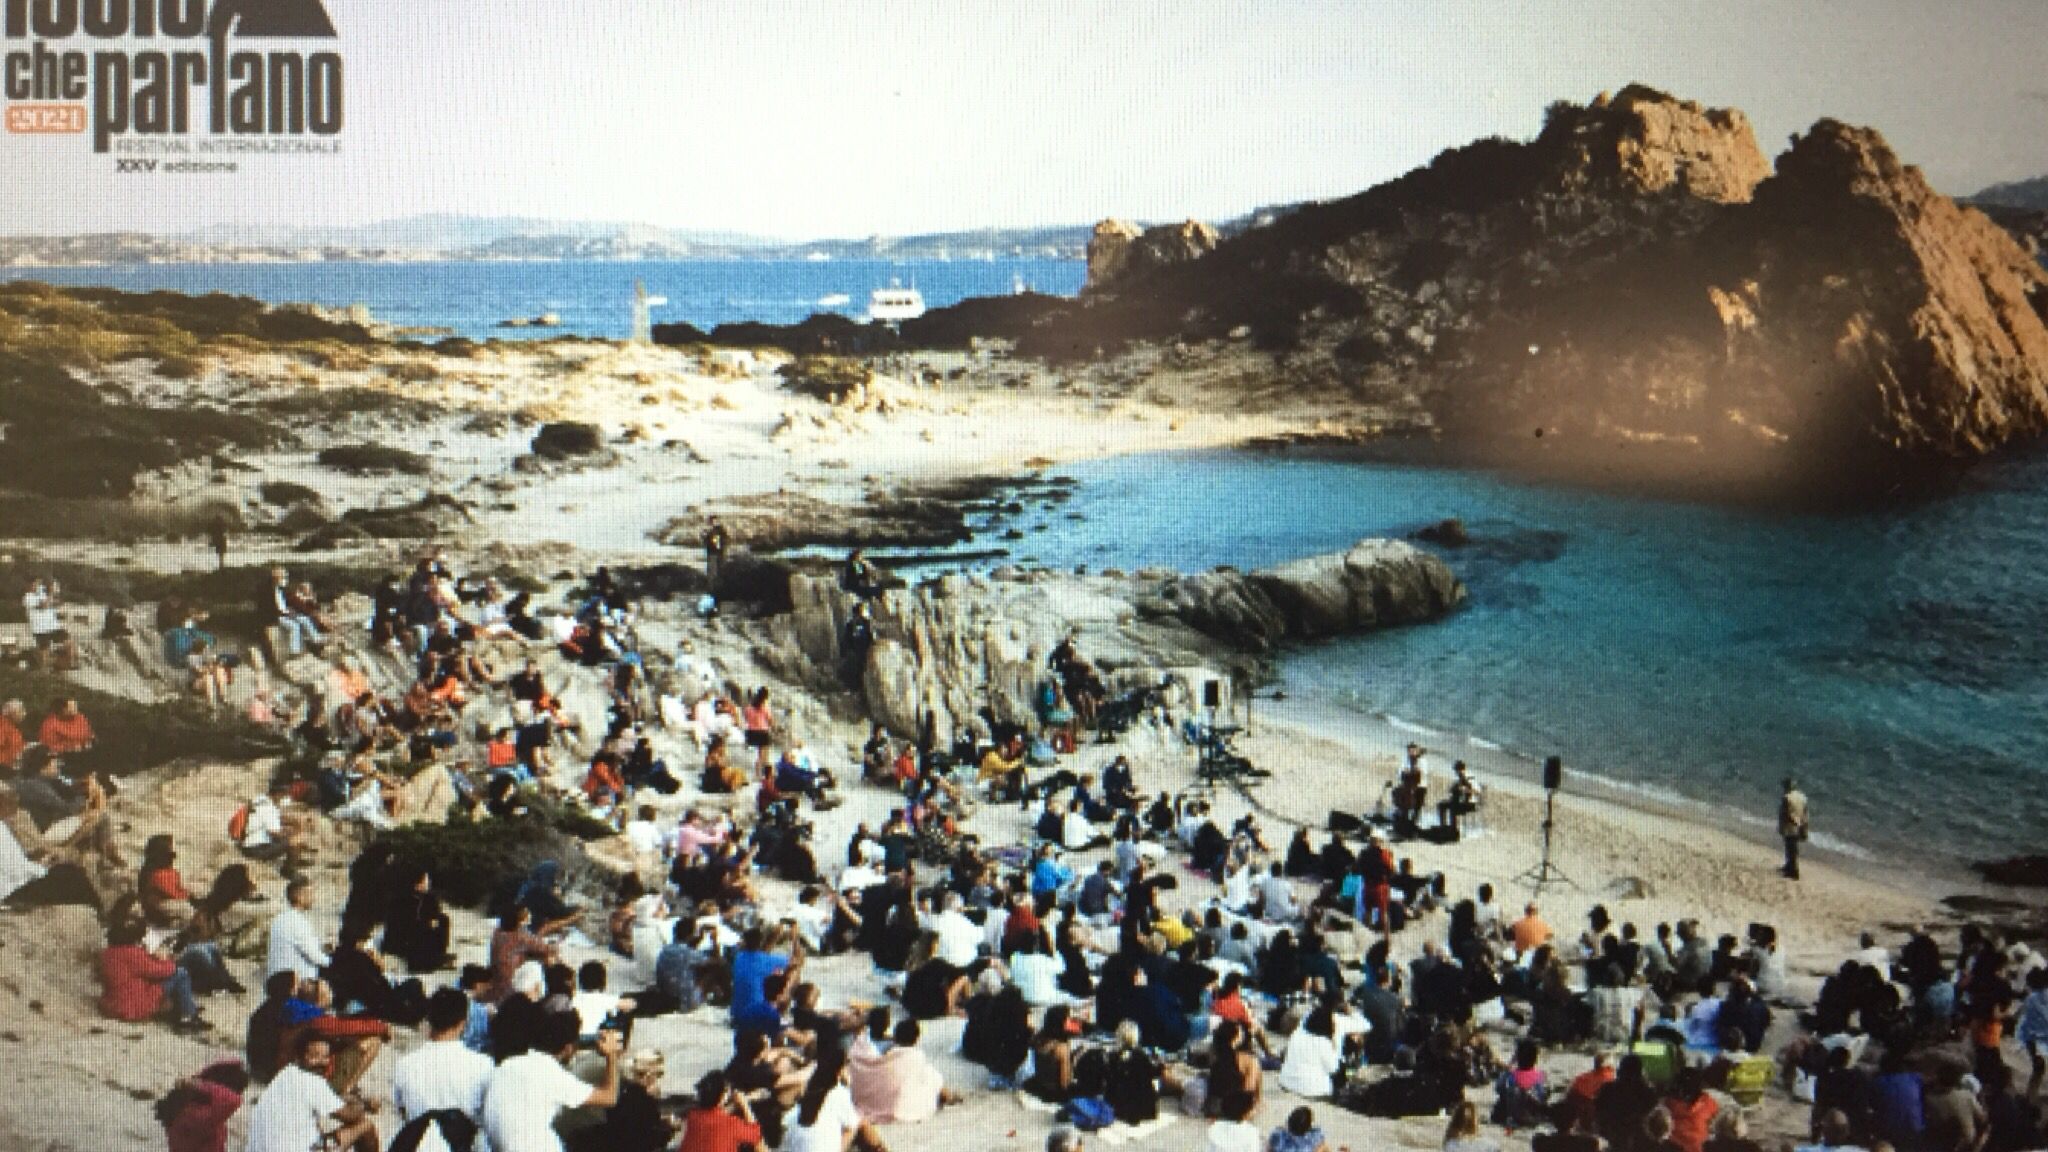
1004,767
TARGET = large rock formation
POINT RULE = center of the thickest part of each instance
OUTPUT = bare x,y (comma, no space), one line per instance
956,646
1846,325
1646,142
1120,256
1630,297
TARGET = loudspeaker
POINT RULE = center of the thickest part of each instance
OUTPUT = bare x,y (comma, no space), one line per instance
1553,773
1212,693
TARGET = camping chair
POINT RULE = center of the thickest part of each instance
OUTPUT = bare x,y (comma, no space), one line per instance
1660,1061
1747,1080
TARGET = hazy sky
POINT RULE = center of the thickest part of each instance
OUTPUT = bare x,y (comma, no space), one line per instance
850,118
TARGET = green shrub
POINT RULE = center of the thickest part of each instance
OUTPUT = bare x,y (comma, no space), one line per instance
365,459
472,860
284,493
117,521
176,367
65,438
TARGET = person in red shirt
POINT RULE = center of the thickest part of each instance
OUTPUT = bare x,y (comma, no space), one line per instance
65,730
12,714
721,1121
195,1114
137,983
1692,1110
158,885
603,784
1228,1004
1586,1088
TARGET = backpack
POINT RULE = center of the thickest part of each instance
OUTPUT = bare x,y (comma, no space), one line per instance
1090,1113
238,823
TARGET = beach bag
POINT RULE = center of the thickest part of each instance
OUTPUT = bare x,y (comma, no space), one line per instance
238,823
1090,1113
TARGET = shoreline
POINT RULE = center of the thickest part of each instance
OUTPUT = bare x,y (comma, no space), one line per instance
1518,773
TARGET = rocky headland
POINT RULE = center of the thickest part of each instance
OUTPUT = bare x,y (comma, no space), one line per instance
1638,296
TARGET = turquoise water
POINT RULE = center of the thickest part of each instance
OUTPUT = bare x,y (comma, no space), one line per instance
592,299
1896,661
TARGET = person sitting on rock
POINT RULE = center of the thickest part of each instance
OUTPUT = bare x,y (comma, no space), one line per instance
859,576
55,650
197,651
721,775
300,629
66,731
13,714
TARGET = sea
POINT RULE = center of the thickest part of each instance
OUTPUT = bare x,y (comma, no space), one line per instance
1895,660
474,299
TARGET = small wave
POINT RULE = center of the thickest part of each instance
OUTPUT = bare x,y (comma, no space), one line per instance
1478,742
1410,726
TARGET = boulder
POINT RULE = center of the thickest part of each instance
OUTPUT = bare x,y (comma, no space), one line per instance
564,440
964,644
1118,253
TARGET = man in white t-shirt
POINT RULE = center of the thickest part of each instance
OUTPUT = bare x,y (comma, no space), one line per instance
295,945
959,938
442,1075
298,1110
527,1092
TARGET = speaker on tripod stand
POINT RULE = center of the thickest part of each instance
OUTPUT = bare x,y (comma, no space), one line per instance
1546,872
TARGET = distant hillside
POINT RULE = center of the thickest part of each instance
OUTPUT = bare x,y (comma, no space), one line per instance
2018,194
512,238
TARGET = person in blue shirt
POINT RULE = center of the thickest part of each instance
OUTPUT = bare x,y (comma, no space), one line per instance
751,967
1048,874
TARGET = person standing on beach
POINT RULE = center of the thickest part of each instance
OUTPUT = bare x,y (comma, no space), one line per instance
715,540
1792,825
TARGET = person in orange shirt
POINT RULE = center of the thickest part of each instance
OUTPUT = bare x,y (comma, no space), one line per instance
1530,932
12,715
65,730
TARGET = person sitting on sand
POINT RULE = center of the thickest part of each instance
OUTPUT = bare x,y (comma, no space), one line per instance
138,984
195,1113
1003,770
899,1086
721,776
158,886
301,1109
294,944
34,875
721,1120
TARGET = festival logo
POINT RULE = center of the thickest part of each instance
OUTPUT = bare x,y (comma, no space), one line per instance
175,76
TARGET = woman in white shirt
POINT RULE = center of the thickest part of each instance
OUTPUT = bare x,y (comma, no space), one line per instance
825,1119
1310,1066
1037,975
1237,887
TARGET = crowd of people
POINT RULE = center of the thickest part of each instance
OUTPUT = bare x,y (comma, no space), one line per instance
1068,965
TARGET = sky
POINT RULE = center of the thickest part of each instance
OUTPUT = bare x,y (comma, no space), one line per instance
852,118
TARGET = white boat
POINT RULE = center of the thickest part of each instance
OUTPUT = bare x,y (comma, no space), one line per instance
894,304
835,300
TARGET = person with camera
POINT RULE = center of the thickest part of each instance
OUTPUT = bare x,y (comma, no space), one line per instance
721,1120
530,1090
